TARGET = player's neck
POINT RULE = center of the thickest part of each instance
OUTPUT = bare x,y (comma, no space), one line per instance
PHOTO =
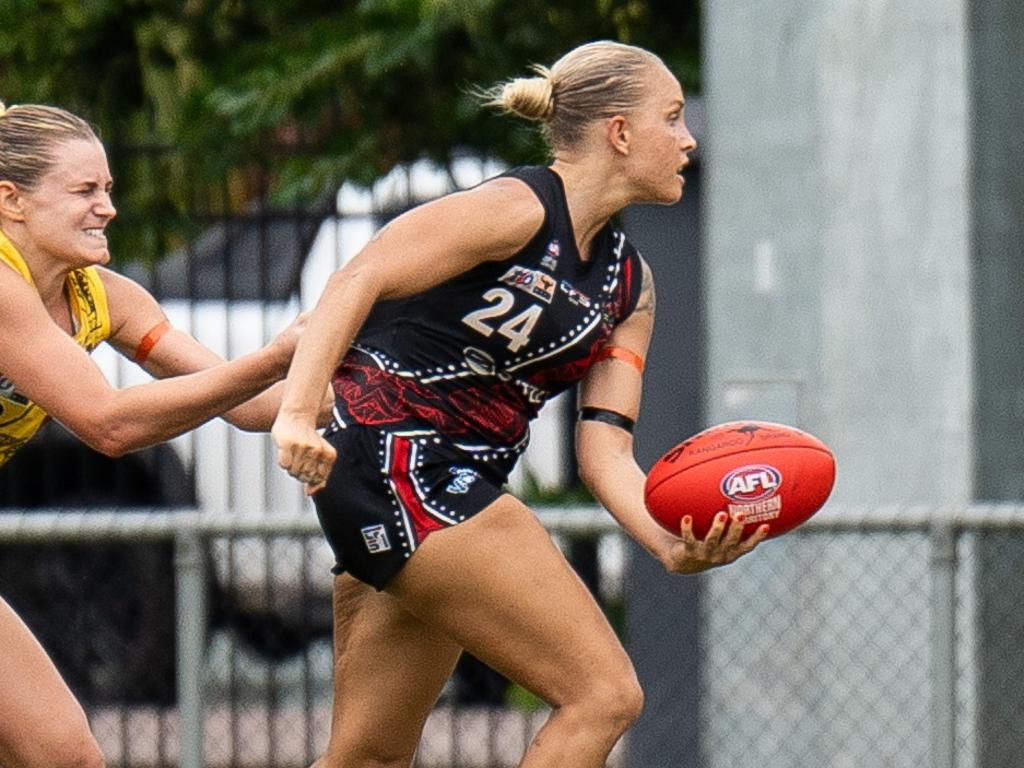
591,200
48,275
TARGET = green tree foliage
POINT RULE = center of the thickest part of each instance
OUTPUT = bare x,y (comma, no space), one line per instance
284,99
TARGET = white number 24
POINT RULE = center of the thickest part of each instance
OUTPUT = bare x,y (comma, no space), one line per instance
516,329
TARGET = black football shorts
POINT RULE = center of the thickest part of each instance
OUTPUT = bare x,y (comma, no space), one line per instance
386,493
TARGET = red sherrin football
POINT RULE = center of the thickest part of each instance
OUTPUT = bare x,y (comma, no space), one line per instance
772,473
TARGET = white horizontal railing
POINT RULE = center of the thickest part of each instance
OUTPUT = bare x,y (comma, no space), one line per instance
191,530
133,523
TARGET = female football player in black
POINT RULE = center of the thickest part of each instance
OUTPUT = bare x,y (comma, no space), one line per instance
443,338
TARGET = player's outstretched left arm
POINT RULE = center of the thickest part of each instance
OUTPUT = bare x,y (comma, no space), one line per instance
142,332
604,446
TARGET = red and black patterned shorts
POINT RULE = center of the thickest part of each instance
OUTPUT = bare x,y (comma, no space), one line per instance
386,493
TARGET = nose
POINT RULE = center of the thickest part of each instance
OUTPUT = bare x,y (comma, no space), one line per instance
686,141
105,206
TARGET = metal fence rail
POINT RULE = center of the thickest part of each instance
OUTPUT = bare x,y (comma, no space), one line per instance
864,638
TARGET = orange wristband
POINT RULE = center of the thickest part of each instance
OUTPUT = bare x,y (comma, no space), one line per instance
623,354
150,339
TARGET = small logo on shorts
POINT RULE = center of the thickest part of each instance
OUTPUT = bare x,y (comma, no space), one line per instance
376,539
463,478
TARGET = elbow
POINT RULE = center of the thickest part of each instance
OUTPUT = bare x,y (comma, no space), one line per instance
110,438
589,474
111,446
601,455
360,281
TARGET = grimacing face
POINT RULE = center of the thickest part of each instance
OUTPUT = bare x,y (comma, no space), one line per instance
67,211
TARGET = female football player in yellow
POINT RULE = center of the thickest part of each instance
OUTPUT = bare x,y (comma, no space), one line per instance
58,303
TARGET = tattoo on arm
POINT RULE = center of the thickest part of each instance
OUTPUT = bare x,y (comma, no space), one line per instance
646,301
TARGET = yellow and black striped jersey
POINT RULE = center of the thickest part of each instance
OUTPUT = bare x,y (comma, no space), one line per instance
20,418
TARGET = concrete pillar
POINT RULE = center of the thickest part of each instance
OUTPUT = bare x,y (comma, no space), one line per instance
837,241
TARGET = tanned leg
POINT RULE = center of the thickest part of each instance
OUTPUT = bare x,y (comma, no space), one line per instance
42,725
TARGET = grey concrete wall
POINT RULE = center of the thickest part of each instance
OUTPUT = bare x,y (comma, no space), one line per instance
997,85
837,237
838,266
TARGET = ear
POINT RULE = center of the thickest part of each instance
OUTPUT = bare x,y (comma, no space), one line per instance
618,134
10,202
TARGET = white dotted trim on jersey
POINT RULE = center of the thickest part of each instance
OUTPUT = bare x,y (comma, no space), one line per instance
593,319
422,436
389,365
573,337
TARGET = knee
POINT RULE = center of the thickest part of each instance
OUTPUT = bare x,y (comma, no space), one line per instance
616,699
629,698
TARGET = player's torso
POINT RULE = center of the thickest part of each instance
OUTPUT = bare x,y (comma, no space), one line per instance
20,418
476,357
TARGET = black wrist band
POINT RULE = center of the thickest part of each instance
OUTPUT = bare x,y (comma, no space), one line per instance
607,417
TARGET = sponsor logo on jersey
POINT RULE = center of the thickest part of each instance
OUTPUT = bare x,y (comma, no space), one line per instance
532,281
550,259
462,479
92,315
576,297
752,482
376,538
479,362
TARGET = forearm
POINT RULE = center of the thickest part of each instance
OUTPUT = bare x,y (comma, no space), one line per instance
610,471
617,483
137,417
180,354
332,326
258,413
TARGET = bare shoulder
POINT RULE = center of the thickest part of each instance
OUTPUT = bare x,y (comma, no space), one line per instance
133,310
117,284
503,210
506,193
123,291
19,296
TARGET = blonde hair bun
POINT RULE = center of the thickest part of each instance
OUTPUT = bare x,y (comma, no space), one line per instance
528,97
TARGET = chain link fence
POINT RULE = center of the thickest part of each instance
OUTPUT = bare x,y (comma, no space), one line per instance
887,639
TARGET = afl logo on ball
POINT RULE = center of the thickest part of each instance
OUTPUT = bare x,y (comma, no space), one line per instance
752,482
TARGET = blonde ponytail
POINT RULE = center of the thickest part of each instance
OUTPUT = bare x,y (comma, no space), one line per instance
531,98
591,82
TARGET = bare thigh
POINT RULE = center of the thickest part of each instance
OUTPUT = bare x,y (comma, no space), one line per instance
499,587
389,669
38,712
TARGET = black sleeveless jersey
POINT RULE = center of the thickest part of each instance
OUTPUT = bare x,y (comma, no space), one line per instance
472,360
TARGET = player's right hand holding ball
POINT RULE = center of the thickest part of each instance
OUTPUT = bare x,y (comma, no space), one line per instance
721,546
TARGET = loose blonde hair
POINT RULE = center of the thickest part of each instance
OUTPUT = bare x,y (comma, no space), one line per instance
29,137
592,82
